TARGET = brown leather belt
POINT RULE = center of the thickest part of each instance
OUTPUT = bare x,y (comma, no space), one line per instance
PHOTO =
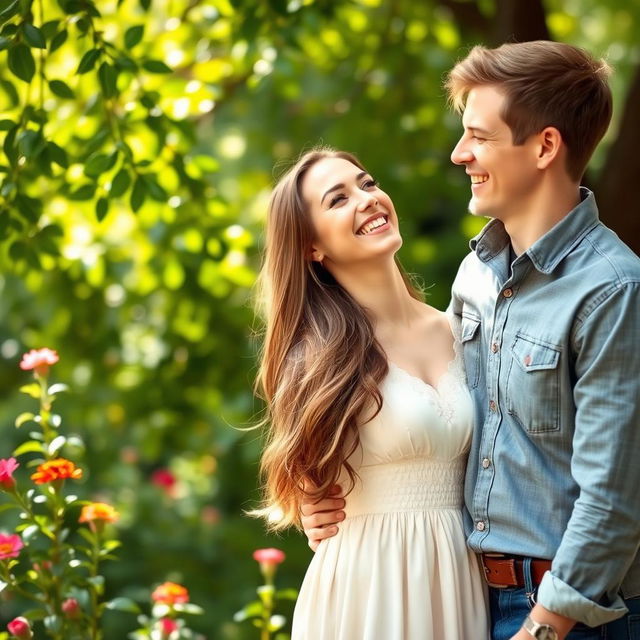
502,571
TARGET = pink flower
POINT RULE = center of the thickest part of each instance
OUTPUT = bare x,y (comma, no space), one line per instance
20,628
40,360
71,608
269,556
167,626
10,545
164,479
7,467
269,560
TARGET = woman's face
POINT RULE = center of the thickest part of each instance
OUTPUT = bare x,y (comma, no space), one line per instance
353,220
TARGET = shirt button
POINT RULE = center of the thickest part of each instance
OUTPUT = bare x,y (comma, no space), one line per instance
492,405
486,463
480,526
507,293
495,347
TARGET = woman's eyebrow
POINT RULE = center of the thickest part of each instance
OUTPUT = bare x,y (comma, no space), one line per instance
339,186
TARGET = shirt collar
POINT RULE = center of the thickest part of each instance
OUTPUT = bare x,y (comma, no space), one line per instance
547,252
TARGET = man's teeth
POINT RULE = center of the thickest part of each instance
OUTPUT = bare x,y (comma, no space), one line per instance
370,226
478,179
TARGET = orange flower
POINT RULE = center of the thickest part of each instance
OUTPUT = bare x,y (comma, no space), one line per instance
58,469
170,593
98,511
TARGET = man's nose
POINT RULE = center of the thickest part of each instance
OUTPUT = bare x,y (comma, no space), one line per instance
460,154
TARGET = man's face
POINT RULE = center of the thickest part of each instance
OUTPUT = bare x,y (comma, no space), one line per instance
504,177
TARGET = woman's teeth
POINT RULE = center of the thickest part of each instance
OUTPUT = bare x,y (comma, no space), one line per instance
478,179
370,226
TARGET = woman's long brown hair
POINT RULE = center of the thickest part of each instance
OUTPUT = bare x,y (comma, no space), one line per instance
321,365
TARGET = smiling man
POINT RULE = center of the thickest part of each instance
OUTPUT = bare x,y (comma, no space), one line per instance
549,300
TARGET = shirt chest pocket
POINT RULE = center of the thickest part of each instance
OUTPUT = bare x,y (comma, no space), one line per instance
470,339
533,385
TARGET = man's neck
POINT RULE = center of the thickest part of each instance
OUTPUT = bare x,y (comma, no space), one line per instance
541,213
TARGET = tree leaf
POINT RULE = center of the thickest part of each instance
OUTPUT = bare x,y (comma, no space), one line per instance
97,164
34,36
9,11
61,89
85,192
156,66
58,40
108,76
123,604
138,194
58,154
88,61
133,35
21,62
102,207
120,183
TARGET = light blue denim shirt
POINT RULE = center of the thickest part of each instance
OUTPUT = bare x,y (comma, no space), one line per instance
552,353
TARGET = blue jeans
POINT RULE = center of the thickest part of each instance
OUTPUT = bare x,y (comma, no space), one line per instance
509,607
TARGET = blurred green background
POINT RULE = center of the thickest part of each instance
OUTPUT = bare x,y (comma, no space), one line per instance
137,157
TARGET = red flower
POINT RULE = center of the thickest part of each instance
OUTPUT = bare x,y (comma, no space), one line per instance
58,469
71,608
40,360
20,628
170,593
7,467
10,545
98,511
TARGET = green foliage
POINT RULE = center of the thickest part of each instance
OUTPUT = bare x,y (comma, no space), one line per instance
137,151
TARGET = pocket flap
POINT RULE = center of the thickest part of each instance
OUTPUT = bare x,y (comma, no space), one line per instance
534,356
469,328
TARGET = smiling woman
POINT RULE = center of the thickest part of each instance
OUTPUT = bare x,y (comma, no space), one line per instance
363,388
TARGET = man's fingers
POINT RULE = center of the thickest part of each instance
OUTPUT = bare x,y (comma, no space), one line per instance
328,504
321,519
320,533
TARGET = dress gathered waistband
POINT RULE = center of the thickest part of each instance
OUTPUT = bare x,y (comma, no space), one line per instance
416,484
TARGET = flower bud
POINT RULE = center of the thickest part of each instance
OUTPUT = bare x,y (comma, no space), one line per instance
71,608
20,628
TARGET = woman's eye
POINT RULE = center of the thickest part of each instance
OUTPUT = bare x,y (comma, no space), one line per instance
336,199
369,184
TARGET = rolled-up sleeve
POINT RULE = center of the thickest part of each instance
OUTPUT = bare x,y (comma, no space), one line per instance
603,534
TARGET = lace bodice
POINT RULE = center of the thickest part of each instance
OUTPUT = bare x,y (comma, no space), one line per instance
418,419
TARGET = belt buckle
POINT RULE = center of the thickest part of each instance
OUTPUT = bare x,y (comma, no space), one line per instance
485,570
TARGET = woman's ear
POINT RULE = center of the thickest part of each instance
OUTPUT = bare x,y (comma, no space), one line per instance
550,146
315,255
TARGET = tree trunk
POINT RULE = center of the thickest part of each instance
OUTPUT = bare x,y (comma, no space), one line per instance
518,21
616,191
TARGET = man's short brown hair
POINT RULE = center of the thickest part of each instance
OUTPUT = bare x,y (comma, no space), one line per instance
545,84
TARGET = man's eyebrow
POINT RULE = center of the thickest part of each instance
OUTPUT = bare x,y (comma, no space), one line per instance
337,187
479,130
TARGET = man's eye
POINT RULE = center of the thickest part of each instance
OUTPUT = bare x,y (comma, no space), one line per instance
479,139
336,199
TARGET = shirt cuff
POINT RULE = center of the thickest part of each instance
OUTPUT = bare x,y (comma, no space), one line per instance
559,597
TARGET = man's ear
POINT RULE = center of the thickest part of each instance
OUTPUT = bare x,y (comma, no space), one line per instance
550,146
